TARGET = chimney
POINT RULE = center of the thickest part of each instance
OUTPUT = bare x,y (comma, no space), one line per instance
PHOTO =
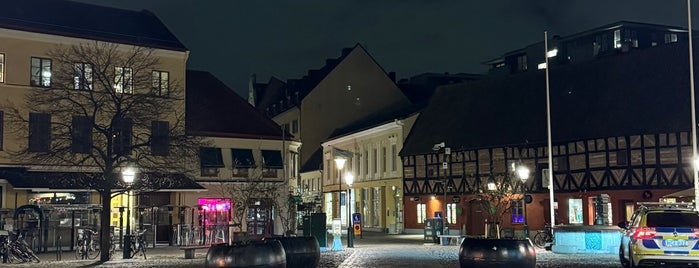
251,89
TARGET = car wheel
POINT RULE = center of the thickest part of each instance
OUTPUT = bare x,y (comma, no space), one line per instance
624,261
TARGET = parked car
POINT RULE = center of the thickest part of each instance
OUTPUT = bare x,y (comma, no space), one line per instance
659,235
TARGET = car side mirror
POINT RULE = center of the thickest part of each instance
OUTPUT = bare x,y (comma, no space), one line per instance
623,225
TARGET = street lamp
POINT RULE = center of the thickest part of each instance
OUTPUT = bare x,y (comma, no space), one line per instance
523,174
445,166
128,175
340,164
349,178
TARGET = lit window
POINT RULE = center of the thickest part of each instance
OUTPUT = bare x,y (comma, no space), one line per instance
451,213
41,72
421,212
617,38
123,80
82,76
522,63
517,212
575,212
161,83
2,68
670,38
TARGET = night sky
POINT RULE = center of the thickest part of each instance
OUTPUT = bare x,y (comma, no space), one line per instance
233,39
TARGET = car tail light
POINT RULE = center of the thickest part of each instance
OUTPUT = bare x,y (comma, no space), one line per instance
644,233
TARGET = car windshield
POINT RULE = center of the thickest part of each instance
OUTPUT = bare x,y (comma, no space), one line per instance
672,219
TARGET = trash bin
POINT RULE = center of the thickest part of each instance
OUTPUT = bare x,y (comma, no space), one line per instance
445,240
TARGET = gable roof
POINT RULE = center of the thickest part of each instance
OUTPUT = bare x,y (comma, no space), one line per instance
213,109
645,91
80,20
274,93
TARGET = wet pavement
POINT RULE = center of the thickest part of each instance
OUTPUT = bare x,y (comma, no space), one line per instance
372,250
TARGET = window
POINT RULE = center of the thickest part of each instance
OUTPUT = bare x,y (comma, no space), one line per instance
122,130
421,213
82,76
617,38
376,209
393,158
522,63
575,211
383,159
451,213
160,138
374,161
286,127
562,162
123,80
81,134
294,126
39,132
622,157
41,72
366,161
2,117
517,213
2,67
670,38
161,83
210,160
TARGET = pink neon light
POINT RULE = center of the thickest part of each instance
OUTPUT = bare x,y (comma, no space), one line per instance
215,204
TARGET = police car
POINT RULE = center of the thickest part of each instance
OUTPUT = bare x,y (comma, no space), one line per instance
660,235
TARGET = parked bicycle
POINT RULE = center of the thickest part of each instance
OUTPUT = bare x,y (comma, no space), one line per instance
15,250
543,236
138,244
87,245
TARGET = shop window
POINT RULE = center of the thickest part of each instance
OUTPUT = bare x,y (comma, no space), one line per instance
517,211
421,213
451,213
575,211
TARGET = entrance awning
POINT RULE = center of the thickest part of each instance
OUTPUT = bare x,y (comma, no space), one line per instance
40,181
684,193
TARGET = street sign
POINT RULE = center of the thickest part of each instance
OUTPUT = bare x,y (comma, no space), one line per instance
357,223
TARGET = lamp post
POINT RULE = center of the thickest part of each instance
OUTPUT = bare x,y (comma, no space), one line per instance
340,164
445,166
523,174
128,175
349,178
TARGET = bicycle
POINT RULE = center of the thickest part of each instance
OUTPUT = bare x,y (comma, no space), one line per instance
543,237
138,244
87,247
17,250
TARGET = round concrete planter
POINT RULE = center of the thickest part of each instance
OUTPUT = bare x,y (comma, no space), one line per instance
268,253
302,252
486,252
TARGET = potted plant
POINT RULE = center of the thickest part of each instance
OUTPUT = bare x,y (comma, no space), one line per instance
497,200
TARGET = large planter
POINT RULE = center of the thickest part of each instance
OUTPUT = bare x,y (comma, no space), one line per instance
268,253
485,252
302,252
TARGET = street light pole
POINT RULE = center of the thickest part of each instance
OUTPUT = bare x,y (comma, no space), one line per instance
523,174
349,178
128,175
445,166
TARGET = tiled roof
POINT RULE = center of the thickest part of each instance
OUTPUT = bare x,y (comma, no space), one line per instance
213,109
643,91
80,20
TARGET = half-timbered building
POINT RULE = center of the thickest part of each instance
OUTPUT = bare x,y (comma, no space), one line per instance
620,129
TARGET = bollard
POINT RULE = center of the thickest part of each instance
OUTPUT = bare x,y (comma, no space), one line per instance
59,249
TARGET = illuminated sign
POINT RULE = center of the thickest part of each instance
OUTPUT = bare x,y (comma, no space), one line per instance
215,204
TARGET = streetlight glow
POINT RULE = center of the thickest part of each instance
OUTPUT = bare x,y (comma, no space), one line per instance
349,178
523,173
128,175
340,162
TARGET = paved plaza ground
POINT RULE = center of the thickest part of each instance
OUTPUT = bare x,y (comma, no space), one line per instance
373,250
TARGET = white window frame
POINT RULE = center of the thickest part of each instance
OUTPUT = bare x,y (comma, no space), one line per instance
421,213
123,80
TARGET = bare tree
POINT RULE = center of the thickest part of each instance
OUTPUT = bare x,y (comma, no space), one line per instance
98,107
499,200
255,187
